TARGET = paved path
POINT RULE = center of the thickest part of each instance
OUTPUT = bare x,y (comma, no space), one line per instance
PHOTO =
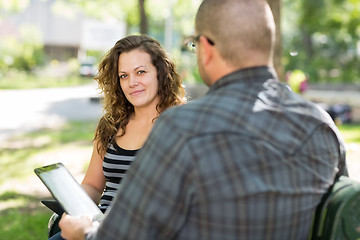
28,110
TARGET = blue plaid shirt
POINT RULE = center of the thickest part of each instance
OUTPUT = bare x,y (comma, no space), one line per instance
250,160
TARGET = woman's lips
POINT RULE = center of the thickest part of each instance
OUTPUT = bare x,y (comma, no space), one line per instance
136,92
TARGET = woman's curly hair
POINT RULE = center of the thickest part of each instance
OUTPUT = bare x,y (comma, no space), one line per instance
117,109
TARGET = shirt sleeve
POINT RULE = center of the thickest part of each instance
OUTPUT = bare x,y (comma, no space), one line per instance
156,193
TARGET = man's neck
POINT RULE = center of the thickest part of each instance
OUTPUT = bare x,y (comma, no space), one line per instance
230,69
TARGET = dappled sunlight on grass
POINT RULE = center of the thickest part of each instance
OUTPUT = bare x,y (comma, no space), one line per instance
350,133
15,163
15,154
70,132
23,80
22,217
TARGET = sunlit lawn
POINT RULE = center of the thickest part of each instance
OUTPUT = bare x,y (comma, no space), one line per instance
22,216
350,133
14,158
22,80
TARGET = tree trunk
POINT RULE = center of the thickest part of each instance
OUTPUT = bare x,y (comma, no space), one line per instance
275,6
143,18
307,42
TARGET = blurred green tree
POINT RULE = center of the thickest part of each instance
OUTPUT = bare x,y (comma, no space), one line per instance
323,39
11,6
24,53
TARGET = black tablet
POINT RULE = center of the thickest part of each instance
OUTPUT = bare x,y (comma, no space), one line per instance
68,192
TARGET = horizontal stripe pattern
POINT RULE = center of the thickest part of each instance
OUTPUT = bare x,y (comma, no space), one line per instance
116,162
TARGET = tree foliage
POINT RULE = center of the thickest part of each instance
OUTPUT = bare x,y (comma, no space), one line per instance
322,38
25,54
11,6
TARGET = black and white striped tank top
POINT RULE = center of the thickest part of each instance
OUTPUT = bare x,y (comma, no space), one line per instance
116,162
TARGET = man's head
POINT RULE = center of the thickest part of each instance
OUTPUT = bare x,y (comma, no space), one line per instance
242,33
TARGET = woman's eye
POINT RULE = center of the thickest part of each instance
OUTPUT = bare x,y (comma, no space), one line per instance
141,72
123,76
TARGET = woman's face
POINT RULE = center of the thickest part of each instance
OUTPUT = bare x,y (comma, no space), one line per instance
138,78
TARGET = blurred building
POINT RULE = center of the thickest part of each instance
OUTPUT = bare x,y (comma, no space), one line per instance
66,32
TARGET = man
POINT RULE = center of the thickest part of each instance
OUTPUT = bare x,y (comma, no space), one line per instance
250,160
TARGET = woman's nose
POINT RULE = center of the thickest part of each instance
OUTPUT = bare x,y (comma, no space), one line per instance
133,81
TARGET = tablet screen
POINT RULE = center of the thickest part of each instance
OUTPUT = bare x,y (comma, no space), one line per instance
66,190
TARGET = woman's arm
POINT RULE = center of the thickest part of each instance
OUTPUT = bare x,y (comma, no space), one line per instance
94,180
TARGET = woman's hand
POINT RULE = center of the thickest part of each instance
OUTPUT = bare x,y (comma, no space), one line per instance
75,228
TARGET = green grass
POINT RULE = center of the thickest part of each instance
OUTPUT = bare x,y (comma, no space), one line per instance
23,216
350,133
22,80
70,132
14,160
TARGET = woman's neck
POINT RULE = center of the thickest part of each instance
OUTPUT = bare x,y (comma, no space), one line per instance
145,114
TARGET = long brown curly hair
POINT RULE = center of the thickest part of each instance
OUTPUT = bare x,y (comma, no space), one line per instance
117,109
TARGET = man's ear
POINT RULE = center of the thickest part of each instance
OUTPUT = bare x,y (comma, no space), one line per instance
206,50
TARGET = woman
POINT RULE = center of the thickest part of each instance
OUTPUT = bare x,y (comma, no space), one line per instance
138,82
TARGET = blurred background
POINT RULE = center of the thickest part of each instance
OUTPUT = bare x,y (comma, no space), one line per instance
49,102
